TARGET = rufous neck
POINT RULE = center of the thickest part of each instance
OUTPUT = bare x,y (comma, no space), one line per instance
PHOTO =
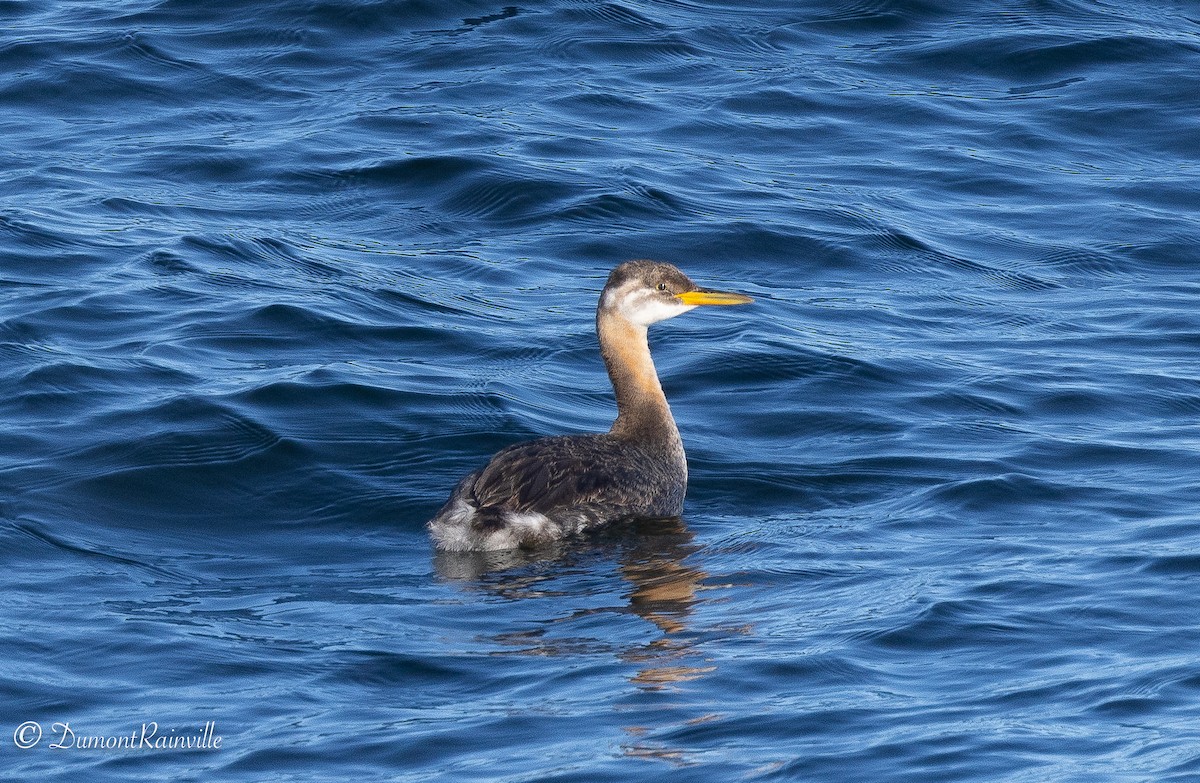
642,410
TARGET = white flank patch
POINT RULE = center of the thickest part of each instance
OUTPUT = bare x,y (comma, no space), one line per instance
531,528
451,531
454,531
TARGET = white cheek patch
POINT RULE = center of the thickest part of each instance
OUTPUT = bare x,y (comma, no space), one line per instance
644,307
610,299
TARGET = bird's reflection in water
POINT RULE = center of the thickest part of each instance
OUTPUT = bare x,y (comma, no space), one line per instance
663,592
661,586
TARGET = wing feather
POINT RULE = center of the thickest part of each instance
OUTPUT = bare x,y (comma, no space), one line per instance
551,473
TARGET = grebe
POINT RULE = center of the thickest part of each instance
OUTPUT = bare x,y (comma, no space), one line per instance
533,493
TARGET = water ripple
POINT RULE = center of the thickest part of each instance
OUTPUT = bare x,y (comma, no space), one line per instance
277,278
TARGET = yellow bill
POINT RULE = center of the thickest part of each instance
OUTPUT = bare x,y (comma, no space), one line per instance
703,296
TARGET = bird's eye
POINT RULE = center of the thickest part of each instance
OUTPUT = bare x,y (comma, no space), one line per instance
662,286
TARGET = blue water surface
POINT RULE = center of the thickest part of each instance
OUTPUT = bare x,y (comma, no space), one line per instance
275,275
